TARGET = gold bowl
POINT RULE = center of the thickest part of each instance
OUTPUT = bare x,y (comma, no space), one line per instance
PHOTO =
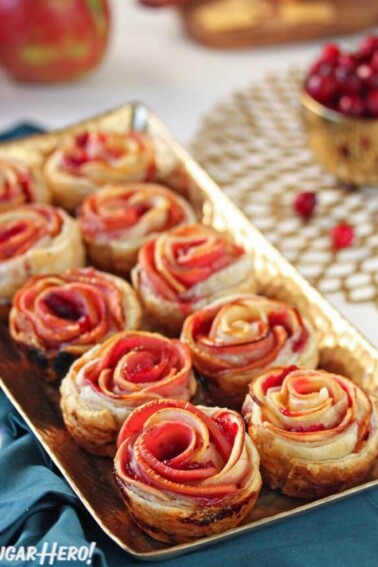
346,146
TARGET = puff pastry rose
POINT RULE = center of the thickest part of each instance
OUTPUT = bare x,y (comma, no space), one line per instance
316,432
186,471
108,382
237,337
118,219
186,268
36,239
89,160
20,184
56,318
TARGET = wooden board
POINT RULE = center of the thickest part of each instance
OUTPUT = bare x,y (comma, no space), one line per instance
244,23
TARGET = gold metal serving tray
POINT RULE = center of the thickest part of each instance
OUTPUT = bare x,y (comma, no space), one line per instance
342,348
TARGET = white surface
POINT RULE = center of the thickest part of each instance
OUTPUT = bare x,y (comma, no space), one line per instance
150,59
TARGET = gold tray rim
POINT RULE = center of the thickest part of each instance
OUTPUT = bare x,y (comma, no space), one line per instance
141,118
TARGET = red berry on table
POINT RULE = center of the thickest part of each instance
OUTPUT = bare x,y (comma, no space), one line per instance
305,203
342,236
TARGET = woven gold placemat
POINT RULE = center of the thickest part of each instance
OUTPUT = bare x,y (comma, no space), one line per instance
254,147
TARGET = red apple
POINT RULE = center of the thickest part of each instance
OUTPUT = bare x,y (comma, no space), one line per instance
52,40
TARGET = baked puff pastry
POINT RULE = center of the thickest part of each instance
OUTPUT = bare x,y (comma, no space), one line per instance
89,160
108,382
20,184
56,318
118,219
35,239
186,268
237,337
316,432
186,471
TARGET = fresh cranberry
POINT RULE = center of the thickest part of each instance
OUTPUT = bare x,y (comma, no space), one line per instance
347,81
372,102
305,203
321,88
368,46
326,68
323,68
344,81
348,61
374,62
330,53
366,74
342,236
351,105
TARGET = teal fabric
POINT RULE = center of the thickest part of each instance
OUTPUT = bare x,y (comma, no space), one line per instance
37,505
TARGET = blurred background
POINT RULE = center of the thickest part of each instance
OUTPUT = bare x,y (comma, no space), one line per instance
152,58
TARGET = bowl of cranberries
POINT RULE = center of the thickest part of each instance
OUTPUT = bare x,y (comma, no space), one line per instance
340,104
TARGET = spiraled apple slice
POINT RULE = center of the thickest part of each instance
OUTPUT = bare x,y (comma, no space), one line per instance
118,219
237,337
108,382
20,184
56,318
186,268
186,471
316,432
88,160
36,239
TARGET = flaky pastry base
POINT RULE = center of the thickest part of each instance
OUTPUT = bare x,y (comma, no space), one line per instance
168,316
172,519
64,251
315,479
230,388
94,421
120,255
56,363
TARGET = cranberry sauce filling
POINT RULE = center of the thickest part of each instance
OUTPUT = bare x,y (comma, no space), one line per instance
276,380
11,231
63,307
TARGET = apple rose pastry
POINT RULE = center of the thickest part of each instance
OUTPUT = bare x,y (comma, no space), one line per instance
186,268
103,387
35,239
56,318
91,159
238,337
118,219
316,432
20,184
186,471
